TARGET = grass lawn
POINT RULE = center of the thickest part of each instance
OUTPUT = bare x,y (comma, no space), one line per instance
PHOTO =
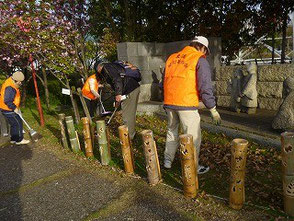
263,170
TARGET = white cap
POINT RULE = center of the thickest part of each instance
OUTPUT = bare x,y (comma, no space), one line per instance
202,40
18,76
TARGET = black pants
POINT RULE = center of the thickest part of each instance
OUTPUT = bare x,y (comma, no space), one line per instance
91,104
16,126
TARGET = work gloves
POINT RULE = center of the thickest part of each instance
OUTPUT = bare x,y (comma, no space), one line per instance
17,111
216,119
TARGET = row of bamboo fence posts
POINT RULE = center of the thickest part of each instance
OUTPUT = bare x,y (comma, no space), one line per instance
188,159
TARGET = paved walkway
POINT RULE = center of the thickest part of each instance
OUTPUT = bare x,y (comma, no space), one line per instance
37,185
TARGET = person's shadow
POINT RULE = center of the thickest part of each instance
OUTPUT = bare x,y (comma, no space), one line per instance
11,176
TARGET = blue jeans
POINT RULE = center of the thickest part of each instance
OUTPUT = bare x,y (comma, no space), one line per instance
16,126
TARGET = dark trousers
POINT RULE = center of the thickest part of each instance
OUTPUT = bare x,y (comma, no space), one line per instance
91,104
16,126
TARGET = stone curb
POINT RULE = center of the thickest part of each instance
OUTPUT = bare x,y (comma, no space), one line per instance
234,133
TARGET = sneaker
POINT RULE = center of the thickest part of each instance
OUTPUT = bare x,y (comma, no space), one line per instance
167,164
202,169
23,142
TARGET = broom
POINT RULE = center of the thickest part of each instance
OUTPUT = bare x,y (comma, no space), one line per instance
33,134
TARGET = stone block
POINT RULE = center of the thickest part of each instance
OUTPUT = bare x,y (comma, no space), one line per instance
142,62
147,77
269,103
277,72
222,88
160,49
146,49
270,89
225,73
121,49
175,46
223,101
127,49
145,93
155,62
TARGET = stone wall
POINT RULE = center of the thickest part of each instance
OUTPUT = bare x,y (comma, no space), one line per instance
150,56
269,84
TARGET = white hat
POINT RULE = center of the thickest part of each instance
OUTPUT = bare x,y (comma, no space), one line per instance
18,76
202,40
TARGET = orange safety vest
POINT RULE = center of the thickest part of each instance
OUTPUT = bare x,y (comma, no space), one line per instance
86,88
9,83
180,80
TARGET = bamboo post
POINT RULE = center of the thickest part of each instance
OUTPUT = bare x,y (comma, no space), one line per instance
87,137
126,147
287,139
63,131
189,172
104,147
151,159
74,141
85,108
237,180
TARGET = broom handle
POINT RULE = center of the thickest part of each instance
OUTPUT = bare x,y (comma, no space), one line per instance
112,115
20,115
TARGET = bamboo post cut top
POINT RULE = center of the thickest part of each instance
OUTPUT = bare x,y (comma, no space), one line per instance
126,147
237,180
63,130
152,163
74,142
287,139
189,173
87,137
104,147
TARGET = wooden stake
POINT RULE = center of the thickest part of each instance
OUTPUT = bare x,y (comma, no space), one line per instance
237,181
74,142
154,176
287,139
126,147
85,108
104,147
189,172
87,137
64,140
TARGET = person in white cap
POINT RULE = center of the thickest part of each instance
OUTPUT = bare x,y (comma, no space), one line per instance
9,106
187,82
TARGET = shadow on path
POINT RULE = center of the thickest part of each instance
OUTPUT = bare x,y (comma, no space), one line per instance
11,175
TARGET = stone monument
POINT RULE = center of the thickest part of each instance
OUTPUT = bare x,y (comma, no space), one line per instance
236,86
284,119
248,96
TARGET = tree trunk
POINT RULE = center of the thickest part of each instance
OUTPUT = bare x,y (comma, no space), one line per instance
47,98
284,35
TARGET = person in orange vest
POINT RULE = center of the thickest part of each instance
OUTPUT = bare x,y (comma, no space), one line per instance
9,106
186,83
90,92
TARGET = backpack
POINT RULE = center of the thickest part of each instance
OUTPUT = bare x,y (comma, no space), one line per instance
129,70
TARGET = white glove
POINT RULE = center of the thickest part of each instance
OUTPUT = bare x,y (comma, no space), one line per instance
17,111
216,119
